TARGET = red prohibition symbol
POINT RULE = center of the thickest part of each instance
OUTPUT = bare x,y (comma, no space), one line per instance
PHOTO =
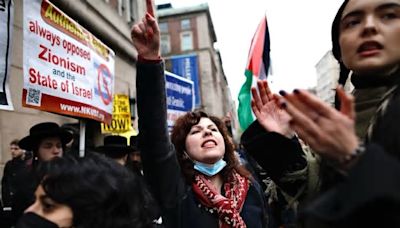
104,79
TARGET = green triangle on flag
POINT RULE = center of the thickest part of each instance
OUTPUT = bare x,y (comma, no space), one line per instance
257,67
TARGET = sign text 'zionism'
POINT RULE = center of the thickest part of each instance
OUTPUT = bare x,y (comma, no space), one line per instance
67,70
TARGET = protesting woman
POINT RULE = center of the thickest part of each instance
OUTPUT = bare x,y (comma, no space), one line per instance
197,180
361,140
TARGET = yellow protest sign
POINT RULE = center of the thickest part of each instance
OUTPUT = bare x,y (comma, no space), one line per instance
121,118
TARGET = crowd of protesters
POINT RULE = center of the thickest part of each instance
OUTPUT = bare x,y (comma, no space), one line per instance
52,188
331,166
302,163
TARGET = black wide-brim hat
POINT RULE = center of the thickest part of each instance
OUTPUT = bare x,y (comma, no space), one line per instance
41,131
115,146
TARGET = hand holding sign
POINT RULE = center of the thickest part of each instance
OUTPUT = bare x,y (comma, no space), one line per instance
146,37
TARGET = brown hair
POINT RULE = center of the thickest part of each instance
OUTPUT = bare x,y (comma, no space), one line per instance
14,142
178,136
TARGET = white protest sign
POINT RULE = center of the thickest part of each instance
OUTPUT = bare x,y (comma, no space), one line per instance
66,69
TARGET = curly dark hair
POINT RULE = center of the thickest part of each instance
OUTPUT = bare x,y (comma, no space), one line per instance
100,192
178,137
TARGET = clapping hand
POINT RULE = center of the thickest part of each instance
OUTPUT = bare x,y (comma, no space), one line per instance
329,132
268,113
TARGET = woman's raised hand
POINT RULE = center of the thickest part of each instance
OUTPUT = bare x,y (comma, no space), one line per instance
329,132
267,112
146,38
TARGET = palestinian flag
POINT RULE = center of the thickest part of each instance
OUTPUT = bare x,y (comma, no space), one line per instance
257,68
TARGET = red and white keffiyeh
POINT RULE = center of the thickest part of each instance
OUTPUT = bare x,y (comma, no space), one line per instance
227,207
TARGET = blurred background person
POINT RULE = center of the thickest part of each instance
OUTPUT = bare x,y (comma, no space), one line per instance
14,178
115,147
134,162
73,146
46,141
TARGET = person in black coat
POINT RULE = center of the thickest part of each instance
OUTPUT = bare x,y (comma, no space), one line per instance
196,179
15,176
46,141
360,140
134,162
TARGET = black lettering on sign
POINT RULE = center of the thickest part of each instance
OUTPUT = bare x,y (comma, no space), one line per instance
117,125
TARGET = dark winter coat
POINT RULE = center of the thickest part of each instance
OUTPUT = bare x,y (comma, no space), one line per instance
369,194
16,188
161,168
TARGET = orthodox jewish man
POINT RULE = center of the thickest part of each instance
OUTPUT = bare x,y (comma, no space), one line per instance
116,147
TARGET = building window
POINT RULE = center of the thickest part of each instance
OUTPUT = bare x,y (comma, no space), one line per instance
163,27
185,24
186,41
165,44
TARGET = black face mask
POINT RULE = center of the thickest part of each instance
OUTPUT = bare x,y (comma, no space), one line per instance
32,220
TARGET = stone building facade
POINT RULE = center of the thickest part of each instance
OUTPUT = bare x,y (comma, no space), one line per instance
108,20
189,31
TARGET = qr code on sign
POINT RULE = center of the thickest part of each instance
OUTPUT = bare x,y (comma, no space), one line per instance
34,97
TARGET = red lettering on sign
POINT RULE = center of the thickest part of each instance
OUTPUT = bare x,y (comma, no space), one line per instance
36,78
